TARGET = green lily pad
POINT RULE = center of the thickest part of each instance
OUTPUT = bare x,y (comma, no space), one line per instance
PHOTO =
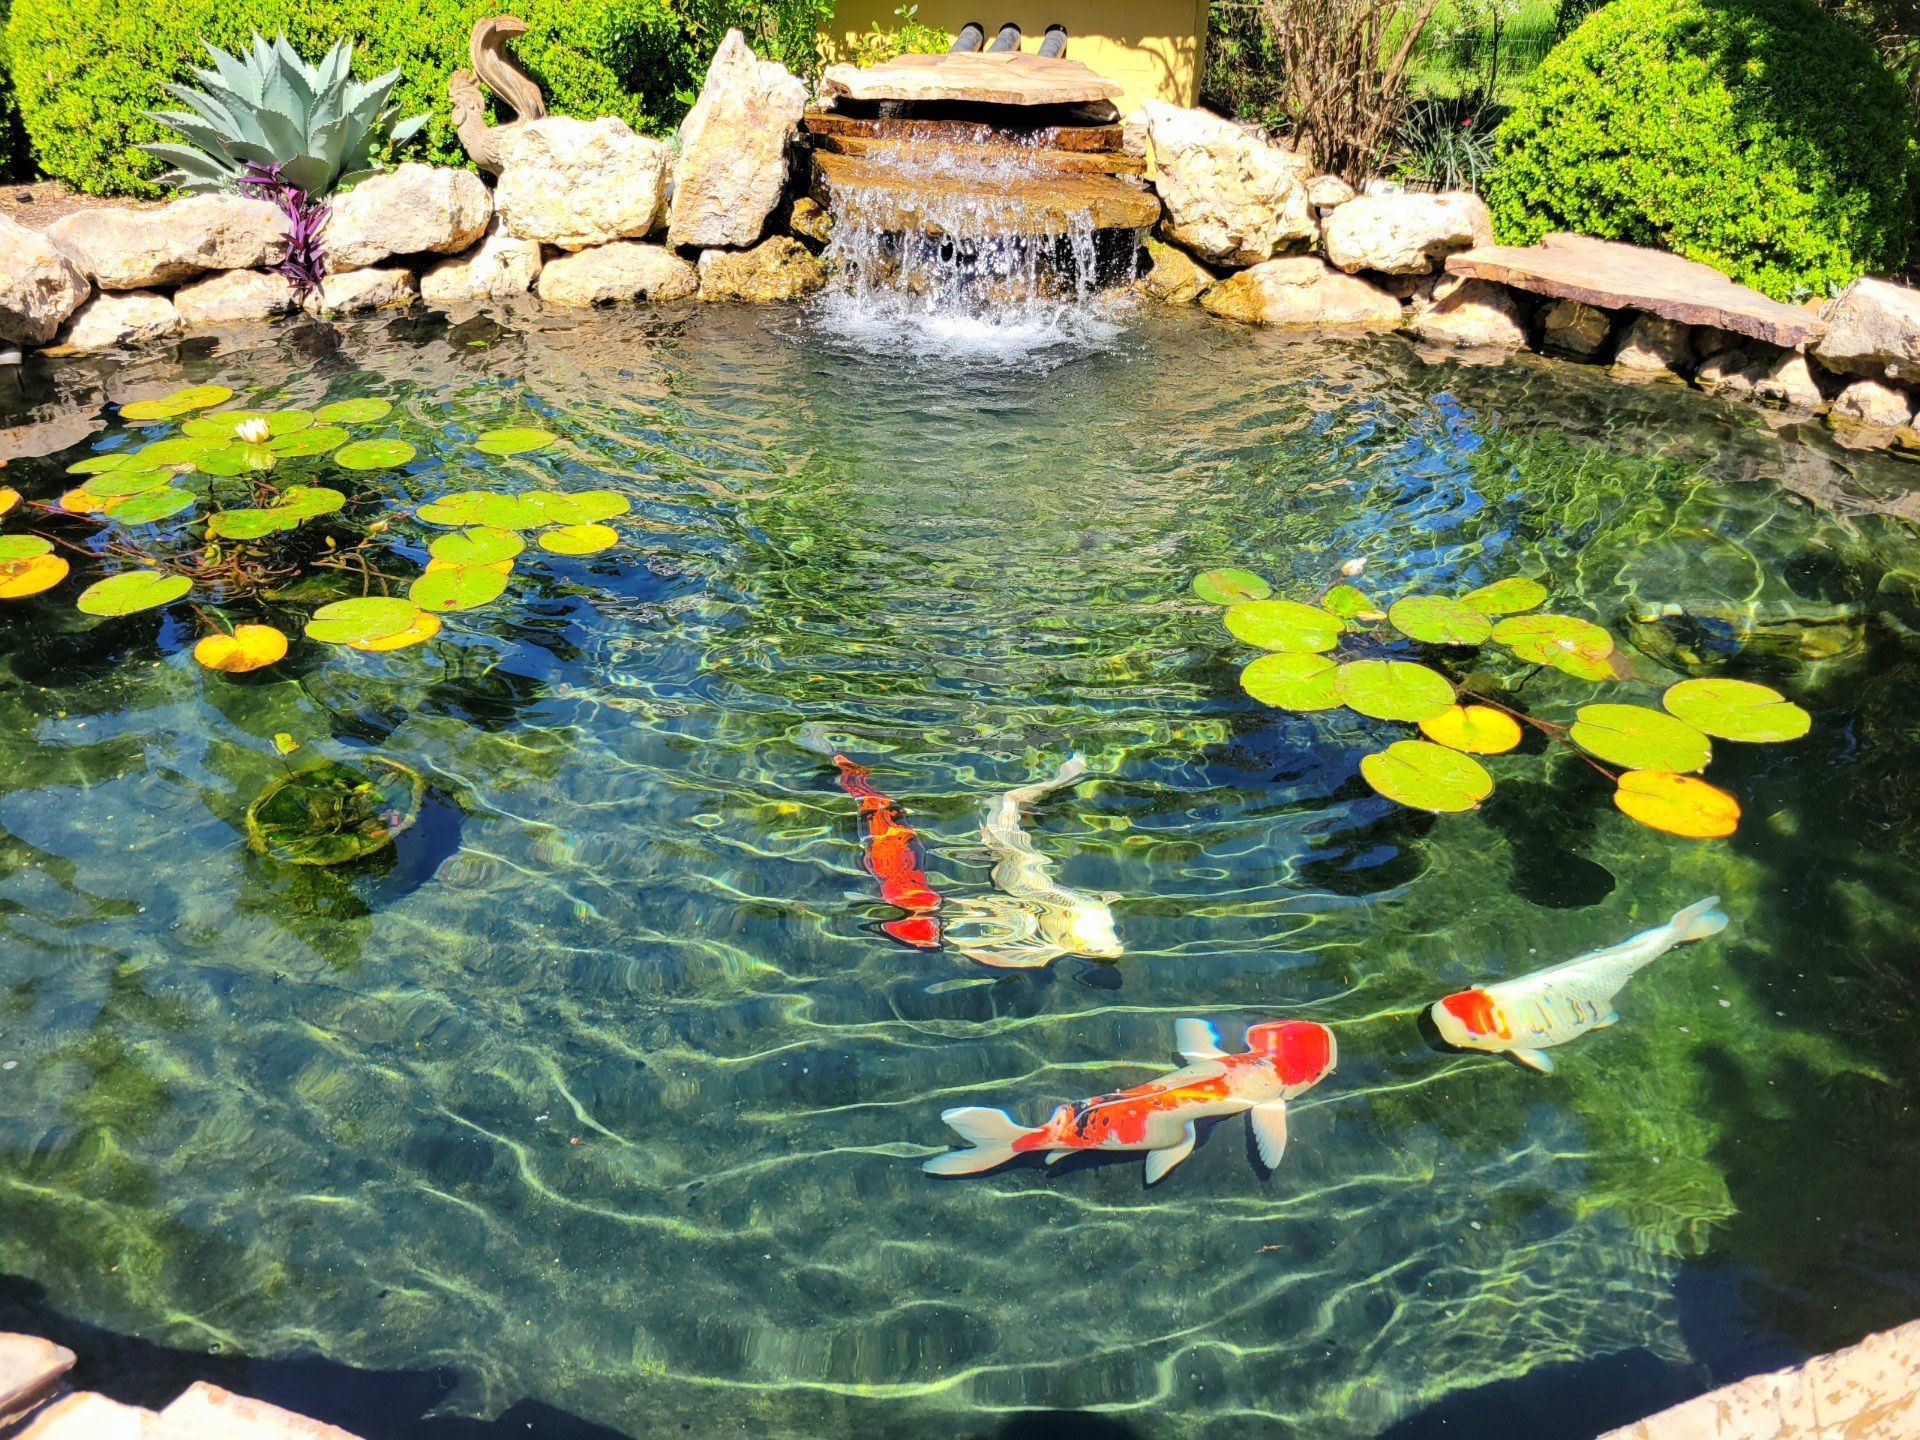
1283,625
1350,603
224,426
131,591
348,622
1640,738
363,411
304,502
177,450
15,548
1230,587
1737,710
514,440
481,545
194,397
101,464
1292,681
333,814
1435,620
576,507
457,587
1554,639
237,459
315,440
116,483
385,454
1393,689
149,507
1425,776
486,509
579,539
1506,597
248,524
286,422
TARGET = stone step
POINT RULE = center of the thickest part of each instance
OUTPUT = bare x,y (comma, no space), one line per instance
87,1416
926,154
1109,139
1012,78
206,1412
866,191
31,1370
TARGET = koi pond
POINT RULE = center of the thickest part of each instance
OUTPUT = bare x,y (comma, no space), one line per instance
588,1094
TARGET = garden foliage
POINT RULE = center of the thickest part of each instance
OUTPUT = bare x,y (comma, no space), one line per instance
1763,137
13,142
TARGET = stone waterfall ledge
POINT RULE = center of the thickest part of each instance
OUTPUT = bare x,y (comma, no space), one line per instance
1869,1391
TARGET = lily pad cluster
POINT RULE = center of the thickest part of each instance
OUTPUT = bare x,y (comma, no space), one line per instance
1344,651
207,515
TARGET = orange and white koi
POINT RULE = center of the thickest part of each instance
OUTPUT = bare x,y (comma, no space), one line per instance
1283,1059
1525,1017
890,849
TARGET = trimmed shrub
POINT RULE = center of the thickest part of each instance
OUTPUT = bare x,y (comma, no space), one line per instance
13,142
1762,137
86,69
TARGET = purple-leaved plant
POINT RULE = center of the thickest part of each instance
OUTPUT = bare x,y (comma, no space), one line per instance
306,262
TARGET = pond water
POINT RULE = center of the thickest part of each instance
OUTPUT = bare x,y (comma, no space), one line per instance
602,1101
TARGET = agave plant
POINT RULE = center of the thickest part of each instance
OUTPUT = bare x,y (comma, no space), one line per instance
314,128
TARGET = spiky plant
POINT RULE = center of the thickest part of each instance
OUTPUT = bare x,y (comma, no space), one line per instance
315,127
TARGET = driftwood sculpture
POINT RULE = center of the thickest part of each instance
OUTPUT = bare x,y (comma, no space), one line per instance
501,73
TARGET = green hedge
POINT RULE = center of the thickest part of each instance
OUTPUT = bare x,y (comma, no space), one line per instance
13,144
1763,137
86,69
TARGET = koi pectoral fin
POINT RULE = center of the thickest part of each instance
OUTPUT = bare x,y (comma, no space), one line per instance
1534,1060
1159,1162
1269,1122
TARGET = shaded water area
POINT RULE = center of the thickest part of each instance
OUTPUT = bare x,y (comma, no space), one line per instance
606,1096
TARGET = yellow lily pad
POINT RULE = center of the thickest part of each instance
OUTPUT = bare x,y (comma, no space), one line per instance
424,627
579,539
249,647
1475,729
21,578
1678,804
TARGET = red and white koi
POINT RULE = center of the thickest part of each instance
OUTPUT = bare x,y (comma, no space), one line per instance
1525,1017
890,848
1282,1059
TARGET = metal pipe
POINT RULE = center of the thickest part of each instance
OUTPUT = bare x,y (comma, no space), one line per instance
971,37
1053,44
1007,39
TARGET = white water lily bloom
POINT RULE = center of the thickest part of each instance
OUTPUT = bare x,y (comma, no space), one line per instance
254,432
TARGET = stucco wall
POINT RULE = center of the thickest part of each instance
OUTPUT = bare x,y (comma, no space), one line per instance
1152,47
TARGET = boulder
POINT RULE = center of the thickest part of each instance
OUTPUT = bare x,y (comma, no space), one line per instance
355,292
733,149
1133,134
1788,381
1733,371
576,183
1873,403
777,269
1176,277
1231,197
1325,192
1575,329
1405,234
207,1412
1873,328
1654,348
1471,312
39,286
811,220
618,270
233,297
121,317
138,249
415,210
499,268
1302,292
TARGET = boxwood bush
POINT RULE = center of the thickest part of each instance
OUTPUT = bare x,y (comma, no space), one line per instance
13,144
86,69
1763,137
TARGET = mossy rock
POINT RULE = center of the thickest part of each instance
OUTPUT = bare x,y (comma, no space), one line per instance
335,814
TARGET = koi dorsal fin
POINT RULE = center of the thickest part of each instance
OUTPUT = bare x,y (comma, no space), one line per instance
1196,1040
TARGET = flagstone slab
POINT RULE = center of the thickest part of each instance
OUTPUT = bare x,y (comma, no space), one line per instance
1611,276
87,1416
207,1412
1007,78
30,1371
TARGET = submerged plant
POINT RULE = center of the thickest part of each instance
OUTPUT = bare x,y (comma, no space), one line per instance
333,814
1658,752
314,127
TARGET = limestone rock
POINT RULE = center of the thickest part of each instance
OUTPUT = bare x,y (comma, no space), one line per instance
1302,292
1873,328
618,270
1471,312
733,148
777,269
1133,134
209,1413
39,286
575,183
1324,192
811,220
1176,277
1654,349
356,292
1711,340
121,317
1788,381
1734,371
1575,329
1873,403
138,249
30,1368
415,210
1231,198
1405,234
232,298
499,268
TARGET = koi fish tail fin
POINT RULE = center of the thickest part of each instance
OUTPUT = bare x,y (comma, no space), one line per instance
1698,921
1071,769
990,1133
813,736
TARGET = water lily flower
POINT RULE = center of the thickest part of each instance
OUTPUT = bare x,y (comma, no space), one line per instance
255,431
1352,567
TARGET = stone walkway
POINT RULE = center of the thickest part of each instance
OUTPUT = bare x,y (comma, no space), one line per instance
1869,1391
35,1404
